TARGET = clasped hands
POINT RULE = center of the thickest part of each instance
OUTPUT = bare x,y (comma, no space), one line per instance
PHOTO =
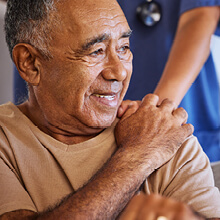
162,128
148,130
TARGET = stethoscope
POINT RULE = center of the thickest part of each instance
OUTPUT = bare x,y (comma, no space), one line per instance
149,12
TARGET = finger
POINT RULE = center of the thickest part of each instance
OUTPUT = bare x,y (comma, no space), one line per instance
147,212
151,207
131,109
188,129
132,209
125,105
167,104
181,114
168,208
150,99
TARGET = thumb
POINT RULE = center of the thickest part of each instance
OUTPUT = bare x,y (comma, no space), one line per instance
130,109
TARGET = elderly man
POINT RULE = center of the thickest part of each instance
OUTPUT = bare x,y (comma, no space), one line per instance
64,154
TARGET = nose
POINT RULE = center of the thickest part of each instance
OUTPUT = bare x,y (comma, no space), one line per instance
114,69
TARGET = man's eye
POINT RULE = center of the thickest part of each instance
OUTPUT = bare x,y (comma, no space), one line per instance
97,52
124,48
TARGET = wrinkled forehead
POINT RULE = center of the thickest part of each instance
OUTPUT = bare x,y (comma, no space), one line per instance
81,14
87,7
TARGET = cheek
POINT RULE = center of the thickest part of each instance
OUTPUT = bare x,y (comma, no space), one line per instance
128,65
76,77
80,84
59,82
129,68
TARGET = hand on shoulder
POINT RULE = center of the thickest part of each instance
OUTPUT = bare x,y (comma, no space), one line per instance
152,132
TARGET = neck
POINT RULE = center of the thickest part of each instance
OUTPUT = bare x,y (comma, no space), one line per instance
65,133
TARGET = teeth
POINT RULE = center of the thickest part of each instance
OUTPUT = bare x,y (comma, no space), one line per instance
109,97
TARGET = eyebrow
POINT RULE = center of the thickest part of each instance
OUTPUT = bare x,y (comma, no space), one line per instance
101,38
126,34
95,40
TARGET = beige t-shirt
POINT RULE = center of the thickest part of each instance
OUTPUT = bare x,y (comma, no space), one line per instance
37,171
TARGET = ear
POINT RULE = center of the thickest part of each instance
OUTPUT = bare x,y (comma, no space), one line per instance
26,59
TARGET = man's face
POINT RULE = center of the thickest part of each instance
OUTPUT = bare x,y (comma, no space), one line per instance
89,73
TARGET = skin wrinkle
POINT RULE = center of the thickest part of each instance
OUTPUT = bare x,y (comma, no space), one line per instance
117,16
82,60
100,39
102,10
107,25
81,54
106,17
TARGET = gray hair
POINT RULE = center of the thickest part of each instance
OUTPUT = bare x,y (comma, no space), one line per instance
30,21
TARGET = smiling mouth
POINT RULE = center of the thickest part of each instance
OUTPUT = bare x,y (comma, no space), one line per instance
108,97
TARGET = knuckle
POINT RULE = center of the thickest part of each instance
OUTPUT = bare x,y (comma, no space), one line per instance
168,102
181,112
138,102
126,102
189,128
135,104
150,96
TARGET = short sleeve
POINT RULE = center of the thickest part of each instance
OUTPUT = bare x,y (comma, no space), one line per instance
188,178
13,195
191,4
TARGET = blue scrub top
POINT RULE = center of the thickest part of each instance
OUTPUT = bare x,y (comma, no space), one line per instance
151,47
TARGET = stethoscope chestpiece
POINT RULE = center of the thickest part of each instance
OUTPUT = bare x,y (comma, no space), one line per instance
149,12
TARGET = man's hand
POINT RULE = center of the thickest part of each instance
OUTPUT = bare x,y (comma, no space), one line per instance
156,207
125,105
152,134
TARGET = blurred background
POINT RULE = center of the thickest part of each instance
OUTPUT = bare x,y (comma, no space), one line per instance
6,66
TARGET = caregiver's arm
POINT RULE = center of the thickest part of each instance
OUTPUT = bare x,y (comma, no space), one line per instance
189,52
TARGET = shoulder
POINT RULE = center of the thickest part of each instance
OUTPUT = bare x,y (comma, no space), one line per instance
190,150
13,129
188,162
7,111
189,154
11,117
188,178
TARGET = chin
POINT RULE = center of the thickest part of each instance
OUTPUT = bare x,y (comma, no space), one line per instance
103,122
